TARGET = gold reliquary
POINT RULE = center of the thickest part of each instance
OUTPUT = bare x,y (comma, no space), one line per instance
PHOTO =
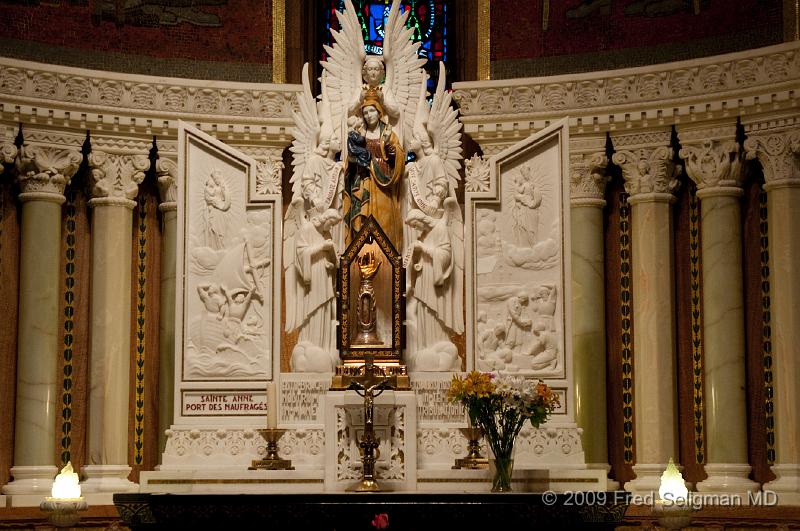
371,308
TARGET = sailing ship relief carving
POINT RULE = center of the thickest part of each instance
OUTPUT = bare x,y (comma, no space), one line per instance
228,266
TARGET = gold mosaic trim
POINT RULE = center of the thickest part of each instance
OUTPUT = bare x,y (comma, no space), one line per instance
545,14
484,39
2,213
797,20
69,323
766,339
141,255
695,265
279,41
626,311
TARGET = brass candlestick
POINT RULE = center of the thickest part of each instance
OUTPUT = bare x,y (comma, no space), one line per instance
474,459
272,461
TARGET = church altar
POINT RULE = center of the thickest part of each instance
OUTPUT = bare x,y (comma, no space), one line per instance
442,285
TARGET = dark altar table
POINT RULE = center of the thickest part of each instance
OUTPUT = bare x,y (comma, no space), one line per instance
337,511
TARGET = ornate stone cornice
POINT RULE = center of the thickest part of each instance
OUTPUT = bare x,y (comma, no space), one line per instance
648,171
588,178
83,99
778,151
713,164
477,172
116,178
167,174
710,88
46,170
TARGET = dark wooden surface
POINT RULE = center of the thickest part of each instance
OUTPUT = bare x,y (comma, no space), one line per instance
357,511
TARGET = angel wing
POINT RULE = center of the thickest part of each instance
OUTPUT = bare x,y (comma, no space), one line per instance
455,227
305,132
295,218
445,130
404,69
342,70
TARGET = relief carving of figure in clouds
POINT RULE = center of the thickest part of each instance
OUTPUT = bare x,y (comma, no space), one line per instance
519,278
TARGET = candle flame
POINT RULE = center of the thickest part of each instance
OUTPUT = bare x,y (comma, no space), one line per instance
66,485
672,486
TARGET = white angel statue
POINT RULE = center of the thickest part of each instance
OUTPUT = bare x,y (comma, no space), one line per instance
317,174
436,281
394,78
437,145
311,234
310,261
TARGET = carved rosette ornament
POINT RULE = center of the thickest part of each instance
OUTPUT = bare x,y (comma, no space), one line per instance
268,176
588,179
167,172
44,172
779,155
116,178
648,171
476,170
714,166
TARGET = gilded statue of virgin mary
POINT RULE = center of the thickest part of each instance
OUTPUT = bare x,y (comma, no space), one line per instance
375,165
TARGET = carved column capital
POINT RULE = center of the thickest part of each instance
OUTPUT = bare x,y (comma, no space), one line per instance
713,164
588,178
779,155
44,172
476,170
167,174
648,170
116,178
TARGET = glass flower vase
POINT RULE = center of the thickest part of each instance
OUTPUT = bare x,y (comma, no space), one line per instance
501,469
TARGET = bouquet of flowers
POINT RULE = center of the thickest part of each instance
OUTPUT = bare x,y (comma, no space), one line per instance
501,405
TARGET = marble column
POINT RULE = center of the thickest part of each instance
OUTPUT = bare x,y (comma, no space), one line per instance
43,173
649,179
167,172
778,150
716,169
587,189
115,180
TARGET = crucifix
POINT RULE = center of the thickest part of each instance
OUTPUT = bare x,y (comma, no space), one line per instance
370,384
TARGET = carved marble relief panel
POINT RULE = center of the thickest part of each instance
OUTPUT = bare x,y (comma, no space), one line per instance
228,309
519,262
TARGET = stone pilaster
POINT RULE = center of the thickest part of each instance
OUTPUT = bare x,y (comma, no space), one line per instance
587,189
43,173
115,180
167,172
649,175
778,150
716,168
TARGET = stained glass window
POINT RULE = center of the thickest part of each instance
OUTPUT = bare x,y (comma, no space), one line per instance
429,18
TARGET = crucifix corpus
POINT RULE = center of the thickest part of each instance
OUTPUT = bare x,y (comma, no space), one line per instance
370,384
